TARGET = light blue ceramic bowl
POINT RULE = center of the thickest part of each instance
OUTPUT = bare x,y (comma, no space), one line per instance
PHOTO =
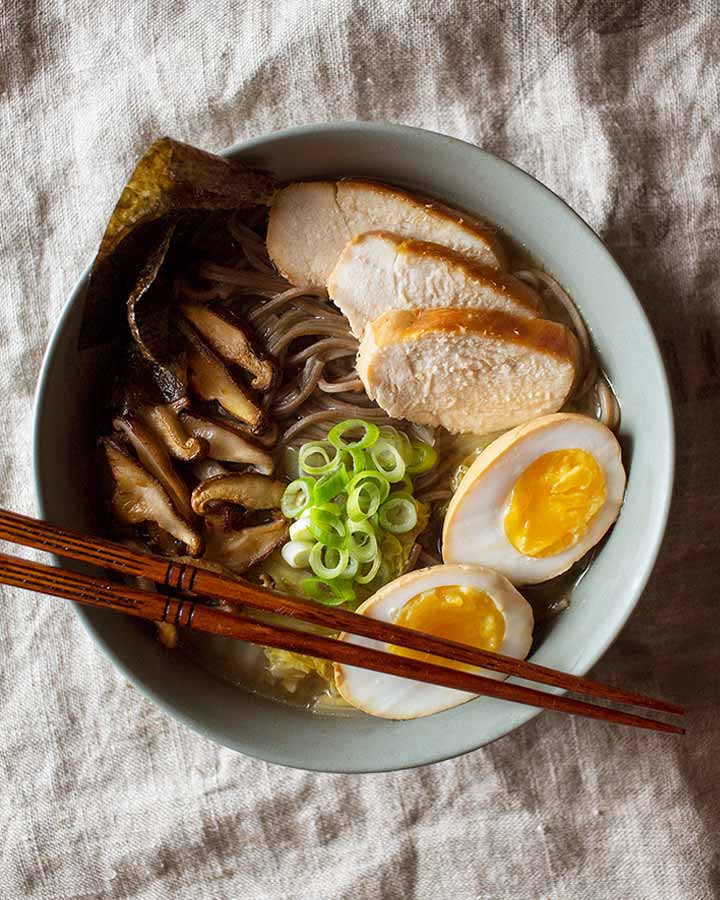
471,179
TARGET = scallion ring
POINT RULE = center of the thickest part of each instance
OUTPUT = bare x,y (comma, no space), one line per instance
297,553
360,461
328,562
388,460
368,438
370,475
297,497
330,485
362,541
423,458
366,575
398,514
318,457
404,447
351,569
300,530
399,440
363,501
326,525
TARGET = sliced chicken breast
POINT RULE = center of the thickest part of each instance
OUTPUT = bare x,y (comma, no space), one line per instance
378,271
471,371
310,223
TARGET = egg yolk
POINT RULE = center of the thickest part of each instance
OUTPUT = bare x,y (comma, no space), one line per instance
459,613
553,502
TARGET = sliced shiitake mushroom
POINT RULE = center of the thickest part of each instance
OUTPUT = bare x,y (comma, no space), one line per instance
226,443
239,550
245,489
211,380
154,457
165,422
137,497
228,336
267,438
203,469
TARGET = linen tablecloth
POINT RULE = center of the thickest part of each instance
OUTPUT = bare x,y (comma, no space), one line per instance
615,107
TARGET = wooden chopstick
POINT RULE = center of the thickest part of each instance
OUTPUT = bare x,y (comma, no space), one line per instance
110,595
41,535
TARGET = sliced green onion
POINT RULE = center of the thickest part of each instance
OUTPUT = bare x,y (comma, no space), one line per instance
351,569
331,593
297,497
388,460
360,461
328,562
404,447
370,475
318,457
350,499
423,458
369,436
330,484
365,576
398,514
297,553
389,433
326,525
362,541
399,440
363,501
300,530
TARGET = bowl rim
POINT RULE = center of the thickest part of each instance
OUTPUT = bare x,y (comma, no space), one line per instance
523,714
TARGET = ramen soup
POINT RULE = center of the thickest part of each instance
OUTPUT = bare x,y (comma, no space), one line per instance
351,394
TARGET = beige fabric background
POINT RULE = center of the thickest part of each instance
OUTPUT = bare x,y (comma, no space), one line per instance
613,105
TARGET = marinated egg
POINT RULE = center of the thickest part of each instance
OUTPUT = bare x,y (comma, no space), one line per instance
469,604
537,499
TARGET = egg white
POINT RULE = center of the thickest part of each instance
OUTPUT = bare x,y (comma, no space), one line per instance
393,697
474,531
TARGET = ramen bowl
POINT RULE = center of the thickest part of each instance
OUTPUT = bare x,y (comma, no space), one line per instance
470,179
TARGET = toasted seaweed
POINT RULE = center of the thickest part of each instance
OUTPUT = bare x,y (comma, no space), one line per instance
149,316
173,184
139,382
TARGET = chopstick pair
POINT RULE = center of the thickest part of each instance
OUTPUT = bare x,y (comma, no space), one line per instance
188,613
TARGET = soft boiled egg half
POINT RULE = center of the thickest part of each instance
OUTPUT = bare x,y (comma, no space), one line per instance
468,604
537,499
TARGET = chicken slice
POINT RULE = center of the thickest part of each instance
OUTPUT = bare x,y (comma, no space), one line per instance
378,271
471,371
312,221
